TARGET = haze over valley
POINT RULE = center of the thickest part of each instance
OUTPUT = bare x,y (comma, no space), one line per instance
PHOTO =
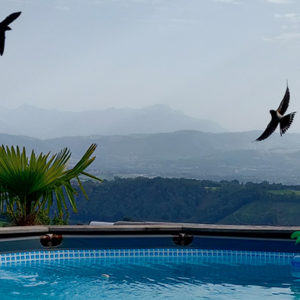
186,153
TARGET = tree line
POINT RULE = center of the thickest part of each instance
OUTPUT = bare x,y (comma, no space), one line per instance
188,200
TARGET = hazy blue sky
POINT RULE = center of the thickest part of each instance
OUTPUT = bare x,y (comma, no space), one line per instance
224,60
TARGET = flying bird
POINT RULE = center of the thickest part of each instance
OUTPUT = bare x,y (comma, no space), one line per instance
278,117
4,27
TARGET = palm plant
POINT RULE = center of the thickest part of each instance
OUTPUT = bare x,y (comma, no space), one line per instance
30,186
296,235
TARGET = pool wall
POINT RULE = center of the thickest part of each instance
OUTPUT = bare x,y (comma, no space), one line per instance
130,255
151,236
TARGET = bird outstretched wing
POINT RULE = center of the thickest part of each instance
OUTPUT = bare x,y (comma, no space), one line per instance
284,104
10,18
269,130
2,42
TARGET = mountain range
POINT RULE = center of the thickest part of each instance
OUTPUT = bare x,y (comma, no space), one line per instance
41,123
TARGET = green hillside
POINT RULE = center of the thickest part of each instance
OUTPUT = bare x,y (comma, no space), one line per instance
189,200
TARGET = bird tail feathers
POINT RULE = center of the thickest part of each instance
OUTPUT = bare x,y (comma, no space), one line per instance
286,122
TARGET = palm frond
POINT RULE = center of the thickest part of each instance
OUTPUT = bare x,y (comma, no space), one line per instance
28,184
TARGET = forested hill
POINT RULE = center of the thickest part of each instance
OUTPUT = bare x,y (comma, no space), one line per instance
188,200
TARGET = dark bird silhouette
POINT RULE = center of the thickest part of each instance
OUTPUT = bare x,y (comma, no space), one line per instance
4,27
279,118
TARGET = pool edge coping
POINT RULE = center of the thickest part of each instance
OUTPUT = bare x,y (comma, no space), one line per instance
282,232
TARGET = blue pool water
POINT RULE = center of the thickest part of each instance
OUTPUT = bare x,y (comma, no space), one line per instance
149,274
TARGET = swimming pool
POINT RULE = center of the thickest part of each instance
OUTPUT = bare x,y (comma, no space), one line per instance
148,274
159,265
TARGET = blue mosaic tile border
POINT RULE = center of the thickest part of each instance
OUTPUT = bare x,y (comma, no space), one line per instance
220,255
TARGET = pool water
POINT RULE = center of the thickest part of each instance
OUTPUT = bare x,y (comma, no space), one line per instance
151,278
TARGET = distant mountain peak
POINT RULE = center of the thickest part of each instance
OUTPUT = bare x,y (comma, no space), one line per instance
44,123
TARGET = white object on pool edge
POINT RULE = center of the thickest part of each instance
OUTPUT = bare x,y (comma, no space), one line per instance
100,223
